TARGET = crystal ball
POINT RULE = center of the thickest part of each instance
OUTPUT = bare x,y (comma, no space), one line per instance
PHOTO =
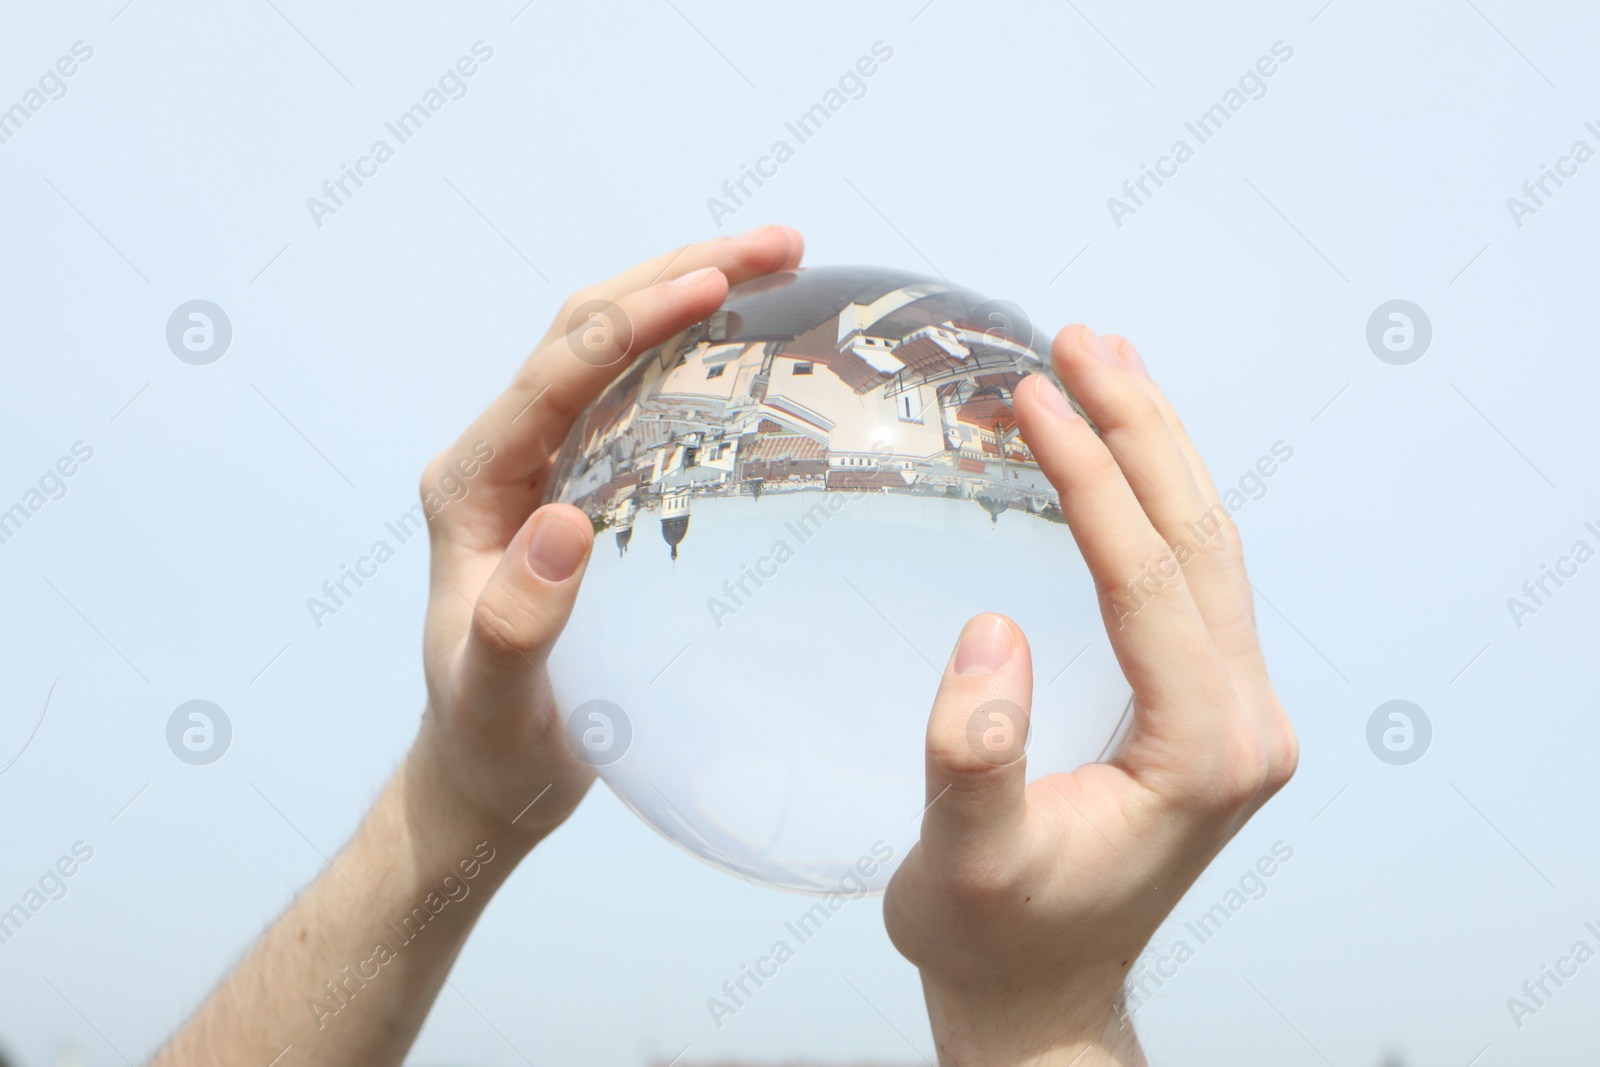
798,503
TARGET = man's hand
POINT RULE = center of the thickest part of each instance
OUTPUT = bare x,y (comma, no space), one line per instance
347,975
1024,905
504,581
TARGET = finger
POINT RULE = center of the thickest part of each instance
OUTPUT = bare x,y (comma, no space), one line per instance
1201,532
749,255
1130,357
1229,604
1156,629
585,338
975,763
518,616
1216,571
1133,430
525,425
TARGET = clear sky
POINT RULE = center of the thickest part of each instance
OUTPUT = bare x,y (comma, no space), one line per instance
1373,164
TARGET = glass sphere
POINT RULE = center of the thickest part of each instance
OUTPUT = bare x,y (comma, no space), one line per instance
798,503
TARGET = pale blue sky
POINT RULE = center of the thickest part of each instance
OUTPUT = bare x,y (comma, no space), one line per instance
1376,167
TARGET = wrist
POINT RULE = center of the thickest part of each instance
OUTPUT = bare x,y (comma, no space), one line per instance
990,1025
442,826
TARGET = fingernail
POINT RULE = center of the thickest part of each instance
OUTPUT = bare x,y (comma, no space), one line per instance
1135,361
692,277
758,231
555,549
791,241
1053,398
1098,348
984,647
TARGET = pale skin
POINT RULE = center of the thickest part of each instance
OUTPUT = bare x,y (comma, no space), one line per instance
1023,907
1025,904
503,577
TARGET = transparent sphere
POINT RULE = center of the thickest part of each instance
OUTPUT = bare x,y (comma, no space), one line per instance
798,503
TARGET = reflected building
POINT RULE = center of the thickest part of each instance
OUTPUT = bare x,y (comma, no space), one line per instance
821,380
624,526
675,519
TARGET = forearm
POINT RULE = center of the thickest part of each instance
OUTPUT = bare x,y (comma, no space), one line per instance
349,972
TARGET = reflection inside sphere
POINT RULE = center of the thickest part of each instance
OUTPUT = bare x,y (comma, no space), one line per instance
798,503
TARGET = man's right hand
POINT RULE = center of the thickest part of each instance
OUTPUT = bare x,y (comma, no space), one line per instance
1025,904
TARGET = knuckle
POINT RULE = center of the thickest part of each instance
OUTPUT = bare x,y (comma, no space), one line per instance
959,762
597,330
1231,546
1210,540
1160,580
1174,420
1236,546
1138,409
1100,467
1222,546
1228,780
1126,408
1245,770
501,631
1169,415
434,474
528,378
1283,751
570,306
436,469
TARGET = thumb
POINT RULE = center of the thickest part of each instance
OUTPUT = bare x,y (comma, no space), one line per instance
976,767
522,610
